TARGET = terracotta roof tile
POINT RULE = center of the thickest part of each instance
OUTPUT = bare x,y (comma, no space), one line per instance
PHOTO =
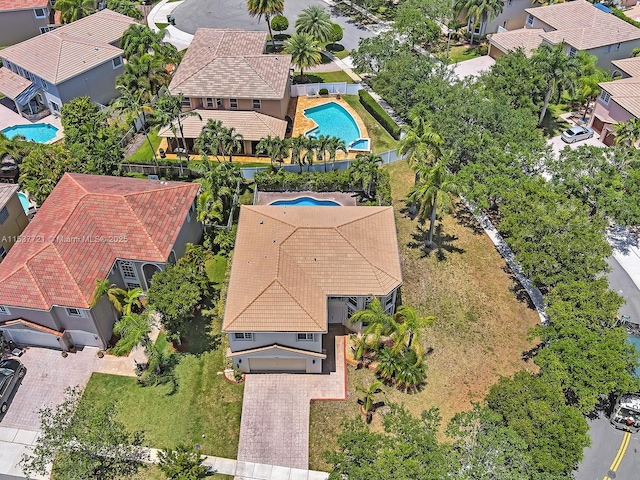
526,38
22,4
27,323
82,228
12,84
630,66
7,191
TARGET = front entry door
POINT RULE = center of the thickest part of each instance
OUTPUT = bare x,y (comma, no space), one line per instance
336,311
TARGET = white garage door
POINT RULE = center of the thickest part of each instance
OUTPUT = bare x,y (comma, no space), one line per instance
278,364
85,339
35,338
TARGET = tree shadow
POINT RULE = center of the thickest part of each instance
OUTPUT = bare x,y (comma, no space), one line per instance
201,336
532,352
517,289
466,219
442,242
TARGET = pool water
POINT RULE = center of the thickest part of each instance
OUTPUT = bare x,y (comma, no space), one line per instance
37,132
360,144
305,202
23,201
636,342
334,121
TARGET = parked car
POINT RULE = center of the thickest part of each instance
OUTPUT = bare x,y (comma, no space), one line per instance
576,134
11,371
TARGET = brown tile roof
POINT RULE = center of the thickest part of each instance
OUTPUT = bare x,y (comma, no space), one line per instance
230,64
87,223
27,323
526,38
630,66
6,192
22,4
12,84
583,26
276,347
71,49
251,125
626,93
287,261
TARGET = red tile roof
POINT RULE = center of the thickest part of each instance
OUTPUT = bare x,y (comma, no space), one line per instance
27,323
87,223
22,4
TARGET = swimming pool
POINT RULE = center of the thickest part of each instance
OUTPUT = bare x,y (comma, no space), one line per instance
24,201
306,202
37,132
334,121
636,342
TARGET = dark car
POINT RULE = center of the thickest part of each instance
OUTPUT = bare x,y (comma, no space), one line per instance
11,371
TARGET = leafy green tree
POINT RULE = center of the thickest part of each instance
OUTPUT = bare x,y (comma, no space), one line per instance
77,115
266,9
72,10
315,21
133,329
627,133
555,433
407,449
138,40
375,52
182,463
279,23
376,322
144,75
304,51
209,142
160,368
478,12
86,440
42,169
337,33
588,85
297,146
559,71
409,330
411,22
125,7
168,110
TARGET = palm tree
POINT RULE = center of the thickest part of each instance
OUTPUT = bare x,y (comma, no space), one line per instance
274,147
132,328
368,395
131,301
310,153
365,169
335,144
111,290
297,145
125,7
72,10
315,21
478,11
435,190
139,40
421,143
266,9
144,75
304,51
321,146
409,333
209,142
559,70
627,133
376,321
231,142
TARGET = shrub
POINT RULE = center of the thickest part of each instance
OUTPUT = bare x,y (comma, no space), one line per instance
620,14
379,114
323,91
336,33
279,23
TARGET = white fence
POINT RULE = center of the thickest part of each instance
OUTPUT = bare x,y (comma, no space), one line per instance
343,88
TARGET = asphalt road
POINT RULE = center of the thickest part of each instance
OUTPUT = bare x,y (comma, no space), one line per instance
622,283
193,14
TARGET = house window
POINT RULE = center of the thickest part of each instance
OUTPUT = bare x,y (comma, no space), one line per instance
530,20
45,85
209,102
256,104
233,103
617,47
243,336
129,274
605,97
218,103
74,312
607,49
572,52
8,64
3,252
45,30
4,214
186,102
117,62
54,106
40,12
4,310
305,337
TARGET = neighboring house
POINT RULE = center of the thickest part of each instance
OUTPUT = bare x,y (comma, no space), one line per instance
13,219
578,25
299,270
513,16
23,19
77,59
619,99
225,75
91,227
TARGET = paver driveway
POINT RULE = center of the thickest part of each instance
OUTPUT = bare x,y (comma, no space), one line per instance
275,412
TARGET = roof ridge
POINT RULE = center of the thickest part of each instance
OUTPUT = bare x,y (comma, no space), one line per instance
59,54
66,267
31,276
244,57
296,299
252,302
141,225
260,116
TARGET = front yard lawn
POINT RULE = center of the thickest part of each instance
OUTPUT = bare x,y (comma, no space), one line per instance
382,141
480,330
461,53
552,124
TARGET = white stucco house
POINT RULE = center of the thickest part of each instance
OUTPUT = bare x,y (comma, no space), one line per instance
297,271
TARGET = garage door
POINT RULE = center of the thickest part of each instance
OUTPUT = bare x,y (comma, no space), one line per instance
278,364
35,338
85,339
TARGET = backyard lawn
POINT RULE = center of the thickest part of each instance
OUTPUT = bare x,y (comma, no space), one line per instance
144,153
480,329
326,77
382,141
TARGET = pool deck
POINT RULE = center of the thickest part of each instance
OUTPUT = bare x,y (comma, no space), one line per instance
344,199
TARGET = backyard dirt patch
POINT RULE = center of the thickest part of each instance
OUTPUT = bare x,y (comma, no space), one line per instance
481,327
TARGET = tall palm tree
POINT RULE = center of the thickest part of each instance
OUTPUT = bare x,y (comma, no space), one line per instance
335,144
365,170
376,321
209,142
132,105
310,153
478,11
559,70
144,75
434,191
627,133
231,142
72,10
409,333
304,51
421,143
274,147
315,21
266,9
140,39
111,290
321,147
297,145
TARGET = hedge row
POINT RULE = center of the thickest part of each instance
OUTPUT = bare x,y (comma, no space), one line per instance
620,14
379,114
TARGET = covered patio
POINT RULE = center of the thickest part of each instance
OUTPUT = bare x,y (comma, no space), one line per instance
28,99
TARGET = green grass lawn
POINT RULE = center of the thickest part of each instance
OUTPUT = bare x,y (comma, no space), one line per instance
338,50
382,141
552,124
327,77
144,153
152,472
461,53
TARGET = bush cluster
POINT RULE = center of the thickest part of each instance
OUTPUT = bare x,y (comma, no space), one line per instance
379,114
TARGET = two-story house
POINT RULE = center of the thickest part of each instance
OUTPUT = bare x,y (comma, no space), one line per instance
298,270
77,59
513,16
23,19
225,75
13,218
578,26
90,228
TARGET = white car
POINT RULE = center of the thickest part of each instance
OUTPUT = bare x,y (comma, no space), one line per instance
576,134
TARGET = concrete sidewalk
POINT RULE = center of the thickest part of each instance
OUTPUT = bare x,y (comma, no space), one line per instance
14,443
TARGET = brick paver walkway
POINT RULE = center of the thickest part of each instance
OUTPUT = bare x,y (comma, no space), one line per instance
274,428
